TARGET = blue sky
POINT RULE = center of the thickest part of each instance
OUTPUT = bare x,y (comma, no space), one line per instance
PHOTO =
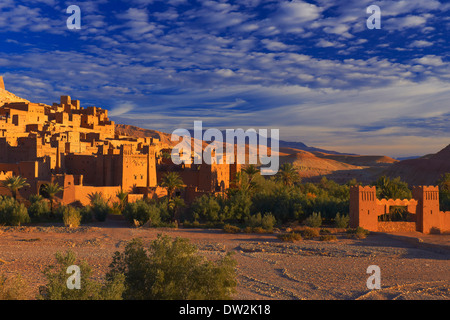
309,68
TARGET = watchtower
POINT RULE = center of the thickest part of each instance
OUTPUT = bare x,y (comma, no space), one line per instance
363,207
428,208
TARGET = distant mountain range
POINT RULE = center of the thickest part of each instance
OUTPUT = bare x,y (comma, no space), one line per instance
314,163
407,158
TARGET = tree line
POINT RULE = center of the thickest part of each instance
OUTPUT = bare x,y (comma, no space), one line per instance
252,199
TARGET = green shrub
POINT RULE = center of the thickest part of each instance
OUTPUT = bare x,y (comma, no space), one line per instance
310,233
12,212
248,229
142,212
259,230
254,220
358,233
172,269
289,237
268,222
56,288
228,228
265,222
100,211
99,206
341,221
314,220
193,224
71,216
13,288
86,214
328,237
205,208
39,211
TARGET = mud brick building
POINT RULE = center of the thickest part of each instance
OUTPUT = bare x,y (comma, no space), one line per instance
80,149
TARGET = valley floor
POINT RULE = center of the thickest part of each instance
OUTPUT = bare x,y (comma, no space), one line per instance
413,266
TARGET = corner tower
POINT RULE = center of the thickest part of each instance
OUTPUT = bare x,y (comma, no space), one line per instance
363,208
427,208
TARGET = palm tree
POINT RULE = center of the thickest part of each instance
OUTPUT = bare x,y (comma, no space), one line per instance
288,174
49,191
171,181
242,181
14,183
251,170
95,198
384,186
122,196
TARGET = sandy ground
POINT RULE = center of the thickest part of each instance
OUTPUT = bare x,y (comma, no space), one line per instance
413,266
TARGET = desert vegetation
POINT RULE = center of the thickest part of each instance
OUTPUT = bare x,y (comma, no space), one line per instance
165,269
254,204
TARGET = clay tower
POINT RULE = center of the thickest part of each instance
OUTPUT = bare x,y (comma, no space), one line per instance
2,84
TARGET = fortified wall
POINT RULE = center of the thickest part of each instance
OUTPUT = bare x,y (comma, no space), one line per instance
424,209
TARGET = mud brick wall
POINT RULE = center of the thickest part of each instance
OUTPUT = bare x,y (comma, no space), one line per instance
396,226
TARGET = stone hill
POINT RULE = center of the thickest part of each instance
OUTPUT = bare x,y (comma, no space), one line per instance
7,97
422,171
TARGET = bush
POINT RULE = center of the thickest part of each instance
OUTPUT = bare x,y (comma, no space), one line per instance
12,212
116,209
310,233
268,222
341,221
13,288
259,230
100,211
39,211
142,212
228,228
194,224
289,237
86,214
71,216
205,208
328,237
265,222
172,269
314,220
99,206
56,287
358,233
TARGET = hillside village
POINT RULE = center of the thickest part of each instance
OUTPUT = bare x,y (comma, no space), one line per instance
81,150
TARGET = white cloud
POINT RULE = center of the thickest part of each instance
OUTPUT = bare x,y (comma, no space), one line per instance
421,44
430,60
401,23
122,108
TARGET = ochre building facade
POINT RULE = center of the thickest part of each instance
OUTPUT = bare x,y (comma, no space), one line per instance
80,149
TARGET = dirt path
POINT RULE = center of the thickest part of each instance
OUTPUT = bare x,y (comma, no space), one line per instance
267,268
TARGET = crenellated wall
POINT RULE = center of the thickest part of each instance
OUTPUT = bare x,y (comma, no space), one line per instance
365,209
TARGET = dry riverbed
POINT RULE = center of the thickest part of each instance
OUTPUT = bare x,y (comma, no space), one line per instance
411,267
